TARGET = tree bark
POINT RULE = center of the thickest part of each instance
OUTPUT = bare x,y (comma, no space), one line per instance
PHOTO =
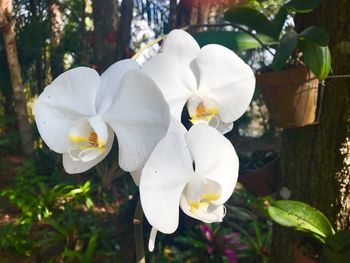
105,32
9,36
172,16
315,160
56,54
124,31
84,58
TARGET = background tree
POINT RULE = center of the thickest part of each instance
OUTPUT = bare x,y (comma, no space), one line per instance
315,159
9,37
124,30
105,17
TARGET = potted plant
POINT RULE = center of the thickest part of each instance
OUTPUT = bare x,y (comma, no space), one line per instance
260,175
290,84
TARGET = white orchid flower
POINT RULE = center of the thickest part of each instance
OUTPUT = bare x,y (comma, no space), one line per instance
78,112
196,171
175,126
216,84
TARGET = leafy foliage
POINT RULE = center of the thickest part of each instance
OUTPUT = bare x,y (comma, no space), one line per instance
312,42
300,216
232,40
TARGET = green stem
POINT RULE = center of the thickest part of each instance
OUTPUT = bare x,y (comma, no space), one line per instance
138,53
138,233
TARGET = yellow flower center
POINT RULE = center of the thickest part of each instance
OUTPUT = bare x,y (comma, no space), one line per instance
203,114
203,203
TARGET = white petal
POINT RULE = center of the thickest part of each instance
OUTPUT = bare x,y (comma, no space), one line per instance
163,180
175,127
140,118
152,239
225,78
182,45
136,174
70,97
223,127
214,158
73,167
110,82
80,130
176,80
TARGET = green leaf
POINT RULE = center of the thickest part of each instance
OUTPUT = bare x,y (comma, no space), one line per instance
285,49
232,40
300,216
339,241
279,21
70,254
89,203
303,6
316,35
334,256
252,19
90,249
317,58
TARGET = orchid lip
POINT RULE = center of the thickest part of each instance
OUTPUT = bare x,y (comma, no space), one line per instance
201,195
203,110
86,138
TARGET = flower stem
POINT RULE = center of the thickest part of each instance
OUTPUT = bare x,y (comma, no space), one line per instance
138,233
138,53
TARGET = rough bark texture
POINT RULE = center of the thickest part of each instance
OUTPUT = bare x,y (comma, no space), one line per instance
9,37
172,16
193,12
105,32
124,31
56,53
316,159
84,59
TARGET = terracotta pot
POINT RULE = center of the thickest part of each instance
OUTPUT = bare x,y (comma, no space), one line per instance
263,180
291,96
300,257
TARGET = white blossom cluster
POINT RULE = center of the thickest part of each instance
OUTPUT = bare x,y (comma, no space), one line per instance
80,113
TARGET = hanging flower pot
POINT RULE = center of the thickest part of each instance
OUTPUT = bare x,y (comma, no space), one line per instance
292,96
263,179
300,257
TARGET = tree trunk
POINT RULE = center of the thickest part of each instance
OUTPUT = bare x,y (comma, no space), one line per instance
105,32
84,58
56,54
9,35
193,12
172,16
316,159
124,31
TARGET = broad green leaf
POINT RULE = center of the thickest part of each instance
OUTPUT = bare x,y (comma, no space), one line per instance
300,216
317,58
316,35
333,256
303,6
285,49
252,19
279,21
232,40
339,241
